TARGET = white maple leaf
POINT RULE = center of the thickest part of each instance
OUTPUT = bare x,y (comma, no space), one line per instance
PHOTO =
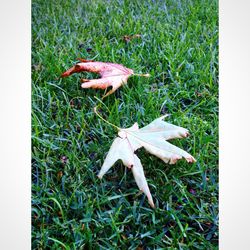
153,138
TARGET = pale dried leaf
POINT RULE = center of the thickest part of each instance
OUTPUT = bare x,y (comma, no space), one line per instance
153,138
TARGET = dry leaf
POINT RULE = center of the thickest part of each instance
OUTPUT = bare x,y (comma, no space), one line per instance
153,138
112,74
127,38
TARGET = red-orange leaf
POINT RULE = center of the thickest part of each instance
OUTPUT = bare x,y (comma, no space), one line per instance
112,74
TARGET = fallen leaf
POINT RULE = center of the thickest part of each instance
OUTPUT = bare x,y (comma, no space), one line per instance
153,138
59,175
127,38
124,237
139,248
112,74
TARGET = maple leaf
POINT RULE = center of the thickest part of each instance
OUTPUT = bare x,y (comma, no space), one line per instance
112,74
153,138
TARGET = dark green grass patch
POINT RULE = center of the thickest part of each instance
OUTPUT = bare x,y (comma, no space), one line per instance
71,207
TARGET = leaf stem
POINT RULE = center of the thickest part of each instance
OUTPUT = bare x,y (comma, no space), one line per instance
146,75
98,114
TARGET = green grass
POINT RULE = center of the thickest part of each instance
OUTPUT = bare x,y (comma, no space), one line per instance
71,207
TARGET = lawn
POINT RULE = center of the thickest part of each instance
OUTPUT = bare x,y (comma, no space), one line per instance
71,207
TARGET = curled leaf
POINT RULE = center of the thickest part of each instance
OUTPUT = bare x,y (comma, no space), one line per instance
112,74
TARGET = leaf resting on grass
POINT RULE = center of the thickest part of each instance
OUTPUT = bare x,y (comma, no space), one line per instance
112,74
153,138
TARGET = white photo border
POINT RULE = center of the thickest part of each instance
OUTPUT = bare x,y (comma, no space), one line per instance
234,122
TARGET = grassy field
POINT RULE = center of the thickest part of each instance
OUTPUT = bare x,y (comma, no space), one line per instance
71,207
